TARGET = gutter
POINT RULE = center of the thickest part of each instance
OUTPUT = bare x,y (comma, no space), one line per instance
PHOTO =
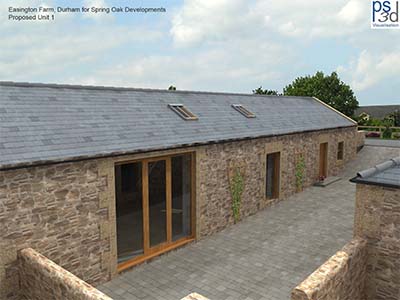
358,180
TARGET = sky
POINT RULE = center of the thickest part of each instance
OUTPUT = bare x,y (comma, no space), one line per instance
204,45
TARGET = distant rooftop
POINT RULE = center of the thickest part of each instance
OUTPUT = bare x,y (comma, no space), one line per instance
386,174
377,111
49,123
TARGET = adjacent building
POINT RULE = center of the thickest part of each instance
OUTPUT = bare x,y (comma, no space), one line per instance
376,111
377,220
368,267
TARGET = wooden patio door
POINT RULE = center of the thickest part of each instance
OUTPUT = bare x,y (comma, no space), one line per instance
161,216
323,159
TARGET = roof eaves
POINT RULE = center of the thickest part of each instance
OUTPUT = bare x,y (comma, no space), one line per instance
366,176
20,165
360,180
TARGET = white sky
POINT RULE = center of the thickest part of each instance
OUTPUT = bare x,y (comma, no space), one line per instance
217,45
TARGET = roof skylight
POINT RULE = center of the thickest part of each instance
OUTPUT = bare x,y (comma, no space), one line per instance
244,111
183,111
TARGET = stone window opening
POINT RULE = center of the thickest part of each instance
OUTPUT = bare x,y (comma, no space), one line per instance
340,151
272,178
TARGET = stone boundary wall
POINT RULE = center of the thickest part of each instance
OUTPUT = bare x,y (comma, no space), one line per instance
342,277
377,220
360,139
42,279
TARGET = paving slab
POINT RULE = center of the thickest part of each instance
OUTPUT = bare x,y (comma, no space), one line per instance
382,143
262,257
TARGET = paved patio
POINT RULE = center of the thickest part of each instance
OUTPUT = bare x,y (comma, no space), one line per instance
264,256
382,143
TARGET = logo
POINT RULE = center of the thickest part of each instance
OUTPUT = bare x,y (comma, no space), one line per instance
385,14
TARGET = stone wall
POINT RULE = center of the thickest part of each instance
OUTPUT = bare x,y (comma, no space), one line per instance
214,199
42,279
360,139
377,220
342,277
56,210
67,212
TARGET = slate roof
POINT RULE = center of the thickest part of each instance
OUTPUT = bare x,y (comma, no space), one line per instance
386,174
43,123
377,111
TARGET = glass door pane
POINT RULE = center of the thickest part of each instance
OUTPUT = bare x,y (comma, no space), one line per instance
181,196
128,189
157,202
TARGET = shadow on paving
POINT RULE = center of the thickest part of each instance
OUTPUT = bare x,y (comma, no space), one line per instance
262,257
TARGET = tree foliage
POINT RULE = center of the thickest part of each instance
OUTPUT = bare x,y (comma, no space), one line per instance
368,122
261,91
391,120
172,88
329,89
396,118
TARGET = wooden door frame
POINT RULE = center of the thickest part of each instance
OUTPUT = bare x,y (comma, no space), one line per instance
276,175
323,159
151,252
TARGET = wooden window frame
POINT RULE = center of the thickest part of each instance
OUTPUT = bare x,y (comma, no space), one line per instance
277,175
183,112
340,151
151,252
244,111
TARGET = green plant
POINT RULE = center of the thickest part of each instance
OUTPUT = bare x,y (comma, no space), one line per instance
396,118
387,132
261,91
237,187
300,167
396,136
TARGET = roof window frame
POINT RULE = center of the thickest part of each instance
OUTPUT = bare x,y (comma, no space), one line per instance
244,111
182,111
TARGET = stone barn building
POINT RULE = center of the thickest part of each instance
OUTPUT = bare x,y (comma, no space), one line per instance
99,179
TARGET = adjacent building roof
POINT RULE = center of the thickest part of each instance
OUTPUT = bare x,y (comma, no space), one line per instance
377,111
385,174
43,123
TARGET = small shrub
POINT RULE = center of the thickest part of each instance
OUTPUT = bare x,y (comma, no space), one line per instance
237,187
387,133
396,136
